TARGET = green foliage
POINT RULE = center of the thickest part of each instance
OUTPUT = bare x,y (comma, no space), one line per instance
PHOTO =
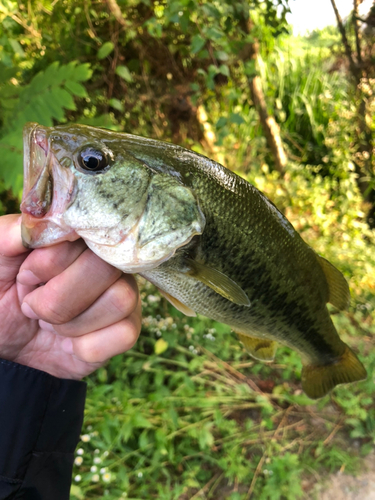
186,412
167,424
44,100
304,102
282,478
105,50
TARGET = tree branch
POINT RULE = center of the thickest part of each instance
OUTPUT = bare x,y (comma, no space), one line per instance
353,66
116,11
356,31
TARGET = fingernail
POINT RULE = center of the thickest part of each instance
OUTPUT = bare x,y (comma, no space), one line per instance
27,277
46,326
67,346
27,311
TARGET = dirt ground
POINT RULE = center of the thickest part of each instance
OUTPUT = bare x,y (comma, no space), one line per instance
346,487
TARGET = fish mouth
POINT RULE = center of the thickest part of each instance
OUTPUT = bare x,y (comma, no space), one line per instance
43,202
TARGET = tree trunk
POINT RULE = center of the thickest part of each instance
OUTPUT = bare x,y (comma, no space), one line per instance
270,127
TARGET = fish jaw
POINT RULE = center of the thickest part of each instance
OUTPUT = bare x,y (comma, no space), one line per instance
48,191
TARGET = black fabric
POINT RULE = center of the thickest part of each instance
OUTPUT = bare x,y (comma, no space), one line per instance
40,422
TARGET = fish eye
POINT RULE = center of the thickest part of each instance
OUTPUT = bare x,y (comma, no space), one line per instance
92,159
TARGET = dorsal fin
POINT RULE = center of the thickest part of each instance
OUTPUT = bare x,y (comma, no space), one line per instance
339,294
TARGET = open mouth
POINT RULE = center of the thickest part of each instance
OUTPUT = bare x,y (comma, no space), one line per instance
43,203
38,186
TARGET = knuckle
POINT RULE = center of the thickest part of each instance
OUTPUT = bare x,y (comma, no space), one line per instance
88,353
53,313
46,262
92,355
51,308
49,261
123,297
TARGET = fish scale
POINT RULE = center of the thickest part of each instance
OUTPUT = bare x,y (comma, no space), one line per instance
210,241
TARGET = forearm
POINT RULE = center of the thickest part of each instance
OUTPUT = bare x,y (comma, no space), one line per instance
40,422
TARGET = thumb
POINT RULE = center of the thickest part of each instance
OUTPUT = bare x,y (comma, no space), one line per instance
12,252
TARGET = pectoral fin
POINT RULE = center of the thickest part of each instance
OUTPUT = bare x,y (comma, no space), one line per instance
339,294
317,380
222,284
177,304
261,349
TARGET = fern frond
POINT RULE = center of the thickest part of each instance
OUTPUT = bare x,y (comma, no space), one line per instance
44,100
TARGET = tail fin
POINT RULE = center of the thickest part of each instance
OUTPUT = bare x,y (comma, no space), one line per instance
317,380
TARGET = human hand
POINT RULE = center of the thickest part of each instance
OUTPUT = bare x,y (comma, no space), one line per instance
62,309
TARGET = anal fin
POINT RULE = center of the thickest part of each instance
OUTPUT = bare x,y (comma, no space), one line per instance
318,380
177,304
261,349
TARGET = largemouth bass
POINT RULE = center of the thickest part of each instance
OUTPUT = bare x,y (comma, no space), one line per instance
210,241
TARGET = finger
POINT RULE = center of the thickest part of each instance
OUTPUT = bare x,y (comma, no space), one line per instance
10,230
114,305
99,346
71,292
23,290
43,264
12,252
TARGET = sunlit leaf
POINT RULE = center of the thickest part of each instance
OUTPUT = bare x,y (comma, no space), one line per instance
116,104
160,346
124,72
105,50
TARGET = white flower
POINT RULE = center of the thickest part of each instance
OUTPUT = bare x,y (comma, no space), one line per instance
80,451
97,460
106,453
96,451
85,438
103,470
77,478
107,477
78,460
209,336
95,478
152,299
140,474
93,468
